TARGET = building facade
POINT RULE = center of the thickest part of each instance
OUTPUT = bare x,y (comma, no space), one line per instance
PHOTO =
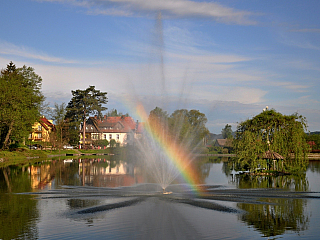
122,129
41,130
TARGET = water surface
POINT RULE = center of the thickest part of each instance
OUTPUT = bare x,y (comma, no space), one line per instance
109,199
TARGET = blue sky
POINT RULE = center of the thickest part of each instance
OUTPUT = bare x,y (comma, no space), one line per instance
229,59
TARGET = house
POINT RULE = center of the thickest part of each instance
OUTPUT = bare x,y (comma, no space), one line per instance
224,143
41,130
122,129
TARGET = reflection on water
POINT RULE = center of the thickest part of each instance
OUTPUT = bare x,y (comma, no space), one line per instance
276,217
107,173
110,196
18,213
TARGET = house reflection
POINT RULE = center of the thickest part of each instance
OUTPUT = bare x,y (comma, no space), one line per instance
106,173
41,176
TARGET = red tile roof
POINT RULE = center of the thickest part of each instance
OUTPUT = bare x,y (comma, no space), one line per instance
113,124
46,123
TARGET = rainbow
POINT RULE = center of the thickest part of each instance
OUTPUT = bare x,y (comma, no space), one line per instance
175,153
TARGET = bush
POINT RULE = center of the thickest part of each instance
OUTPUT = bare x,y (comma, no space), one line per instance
14,146
225,151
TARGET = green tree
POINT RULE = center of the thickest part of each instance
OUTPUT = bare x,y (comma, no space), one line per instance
112,143
189,126
313,138
273,131
227,132
182,126
114,113
20,102
83,103
158,115
58,115
101,143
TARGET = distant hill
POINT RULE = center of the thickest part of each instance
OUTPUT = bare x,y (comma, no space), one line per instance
316,132
214,136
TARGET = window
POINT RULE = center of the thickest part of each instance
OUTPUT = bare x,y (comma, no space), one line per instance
110,136
118,136
39,135
39,128
105,136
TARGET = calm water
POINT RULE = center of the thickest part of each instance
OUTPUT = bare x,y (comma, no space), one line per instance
107,199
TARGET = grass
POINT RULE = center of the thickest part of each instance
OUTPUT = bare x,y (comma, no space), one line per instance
24,155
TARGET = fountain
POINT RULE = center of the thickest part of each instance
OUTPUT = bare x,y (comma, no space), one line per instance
165,149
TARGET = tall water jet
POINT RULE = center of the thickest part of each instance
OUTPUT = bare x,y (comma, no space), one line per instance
167,144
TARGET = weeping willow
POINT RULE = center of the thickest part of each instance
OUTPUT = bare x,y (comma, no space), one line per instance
270,130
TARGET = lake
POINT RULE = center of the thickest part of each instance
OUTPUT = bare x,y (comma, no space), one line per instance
106,198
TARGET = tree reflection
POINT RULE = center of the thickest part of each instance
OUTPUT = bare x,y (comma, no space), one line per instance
314,166
282,214
277,218
18,213
293,182
75,203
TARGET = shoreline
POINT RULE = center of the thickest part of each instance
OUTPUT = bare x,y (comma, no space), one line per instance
7,157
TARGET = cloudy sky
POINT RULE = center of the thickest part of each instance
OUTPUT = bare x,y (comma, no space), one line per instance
227,58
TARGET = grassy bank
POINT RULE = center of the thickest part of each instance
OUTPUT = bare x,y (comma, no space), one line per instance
24,155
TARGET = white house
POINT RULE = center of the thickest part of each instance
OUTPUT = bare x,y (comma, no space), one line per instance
121,128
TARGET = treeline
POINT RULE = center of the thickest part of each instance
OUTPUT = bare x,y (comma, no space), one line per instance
186,127
313,139
20,103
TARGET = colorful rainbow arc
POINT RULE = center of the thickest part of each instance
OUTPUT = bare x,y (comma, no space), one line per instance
175,152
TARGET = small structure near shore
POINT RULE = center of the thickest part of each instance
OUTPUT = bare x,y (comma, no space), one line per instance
270,155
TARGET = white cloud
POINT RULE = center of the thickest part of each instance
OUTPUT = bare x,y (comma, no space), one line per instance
307,30
20,51
169,8
292,86
295,42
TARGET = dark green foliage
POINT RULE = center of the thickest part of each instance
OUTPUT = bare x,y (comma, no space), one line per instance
101,143
271,130
313,138
189,126
227,132
113,143
18,212
58,114
215,149
115,113
186,127
20,101
86,102
158,115
82,104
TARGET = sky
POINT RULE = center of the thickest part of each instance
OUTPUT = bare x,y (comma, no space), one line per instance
229,59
